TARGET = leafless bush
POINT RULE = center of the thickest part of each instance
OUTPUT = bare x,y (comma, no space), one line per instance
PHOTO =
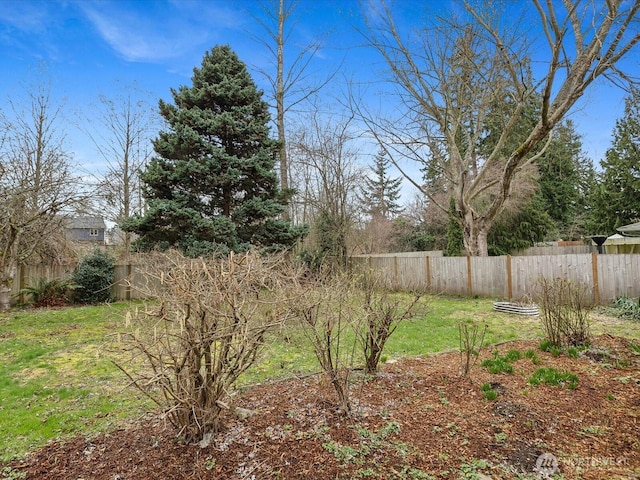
565,311
207,328
325,309
471,337
381,319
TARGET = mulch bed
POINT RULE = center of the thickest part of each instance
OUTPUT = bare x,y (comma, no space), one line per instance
418,417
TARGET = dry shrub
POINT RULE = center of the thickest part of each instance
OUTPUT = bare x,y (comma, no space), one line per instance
471,340
565,311
326,315
206,329
382,316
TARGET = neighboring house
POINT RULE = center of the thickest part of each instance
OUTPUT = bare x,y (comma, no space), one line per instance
86,229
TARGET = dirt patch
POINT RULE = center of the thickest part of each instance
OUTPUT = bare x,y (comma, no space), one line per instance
416,419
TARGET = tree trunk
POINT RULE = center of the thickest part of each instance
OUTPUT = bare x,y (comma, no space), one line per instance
5,297
475,239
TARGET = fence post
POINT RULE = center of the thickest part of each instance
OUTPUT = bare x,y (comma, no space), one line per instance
127,292
596,286
469,281
509,279
428,272
395,272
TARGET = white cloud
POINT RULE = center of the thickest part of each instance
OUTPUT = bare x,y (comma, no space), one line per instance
156,31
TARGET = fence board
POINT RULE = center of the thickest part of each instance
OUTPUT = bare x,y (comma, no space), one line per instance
617,275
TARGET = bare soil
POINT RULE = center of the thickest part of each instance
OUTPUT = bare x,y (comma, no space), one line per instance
418,418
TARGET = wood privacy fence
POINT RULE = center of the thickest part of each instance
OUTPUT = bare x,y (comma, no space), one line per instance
30,275
607,277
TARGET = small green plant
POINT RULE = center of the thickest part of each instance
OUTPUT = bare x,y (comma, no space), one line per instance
9,473
533,356
553,377
626,307
635,348
488,392
592,430
500,437
550,347
369,442
572,352
501,364
471,470
50,293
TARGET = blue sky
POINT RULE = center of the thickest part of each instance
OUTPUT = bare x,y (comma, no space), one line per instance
91,46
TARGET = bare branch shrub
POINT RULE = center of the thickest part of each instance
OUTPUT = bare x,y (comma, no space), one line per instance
471,337
382,316
565,312
325,309
206,329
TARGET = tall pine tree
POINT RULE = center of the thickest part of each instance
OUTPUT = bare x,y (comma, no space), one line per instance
616,200
213,186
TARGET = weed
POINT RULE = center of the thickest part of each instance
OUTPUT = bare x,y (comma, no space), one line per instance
9,473
592,430
626,307
635,348
533,356
545,345
610,396
499,364
572,352
553,377
210,463
410,473
488,392
513,356
470,471
370,442
500,437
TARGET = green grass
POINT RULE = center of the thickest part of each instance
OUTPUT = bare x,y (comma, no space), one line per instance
57,378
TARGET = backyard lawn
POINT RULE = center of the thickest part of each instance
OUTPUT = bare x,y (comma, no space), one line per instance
59,388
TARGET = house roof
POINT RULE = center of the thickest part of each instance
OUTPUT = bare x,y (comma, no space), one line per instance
631,230
86,222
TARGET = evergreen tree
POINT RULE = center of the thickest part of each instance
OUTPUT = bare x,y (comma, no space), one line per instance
521,229
213,186
616,200
380,194
564,181
455,235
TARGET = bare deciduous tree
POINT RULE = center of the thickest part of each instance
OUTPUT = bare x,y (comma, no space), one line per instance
37,184
326,162
293,82
467,81
121,130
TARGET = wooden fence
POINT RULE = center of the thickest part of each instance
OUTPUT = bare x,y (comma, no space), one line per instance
508,277
30,275
513,278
